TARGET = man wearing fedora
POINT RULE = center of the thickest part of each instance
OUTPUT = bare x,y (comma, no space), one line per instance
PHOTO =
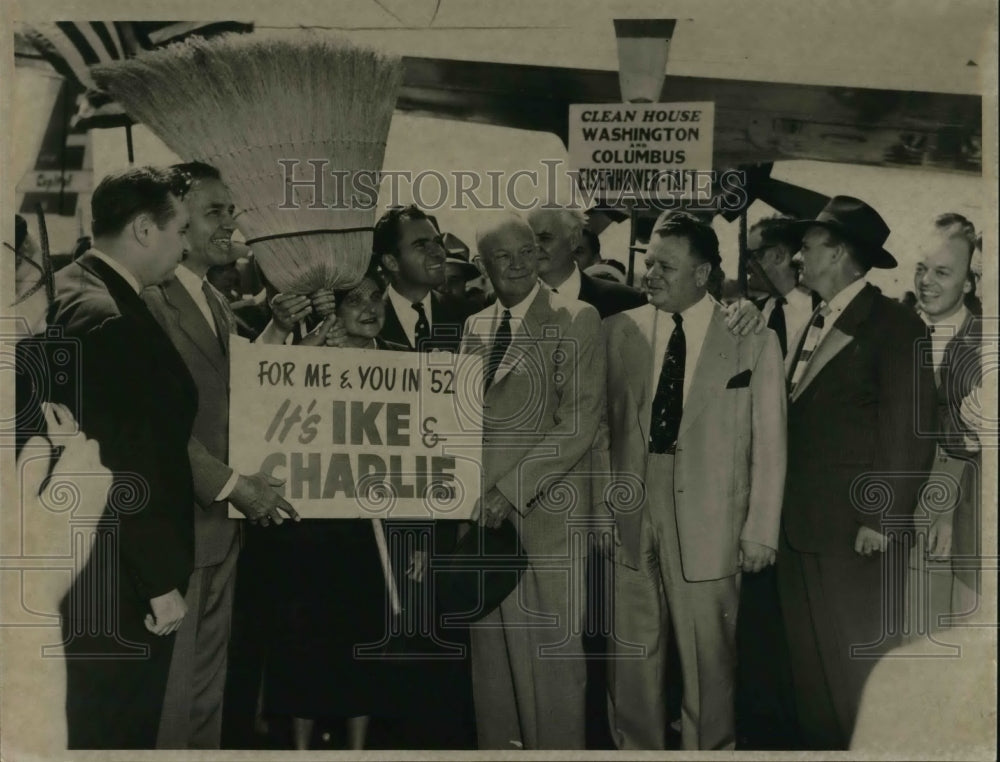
856,463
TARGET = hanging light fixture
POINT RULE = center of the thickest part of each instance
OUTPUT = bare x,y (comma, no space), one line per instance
643,45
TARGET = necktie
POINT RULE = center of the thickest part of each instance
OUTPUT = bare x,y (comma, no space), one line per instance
500,343
668,404
777,323
223,325
809,344
423,329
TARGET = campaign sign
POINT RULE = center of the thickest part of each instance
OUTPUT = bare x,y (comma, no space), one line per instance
642,150
359,433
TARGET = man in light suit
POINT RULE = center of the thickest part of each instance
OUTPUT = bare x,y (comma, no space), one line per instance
543,369
696,434
856,464
199,323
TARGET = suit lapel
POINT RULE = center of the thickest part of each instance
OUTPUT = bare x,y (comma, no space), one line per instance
712,369
524,341
636,354
839,336
192,323
392,330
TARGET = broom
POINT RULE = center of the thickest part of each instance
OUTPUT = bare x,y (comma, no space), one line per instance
242,102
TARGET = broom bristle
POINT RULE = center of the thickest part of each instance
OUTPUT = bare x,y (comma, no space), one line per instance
242,103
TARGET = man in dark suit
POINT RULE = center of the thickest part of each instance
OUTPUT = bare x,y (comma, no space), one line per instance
136,398
788,306
560,234
944,573
199,323
856,463
433,689
765,704
412,255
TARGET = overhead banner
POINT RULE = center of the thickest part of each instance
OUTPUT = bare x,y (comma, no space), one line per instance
358,433
645,151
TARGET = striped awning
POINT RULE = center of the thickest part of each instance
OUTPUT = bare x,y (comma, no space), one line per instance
72,47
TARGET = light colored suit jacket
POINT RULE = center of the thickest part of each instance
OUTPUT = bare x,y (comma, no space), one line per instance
729,468
208,362
541,414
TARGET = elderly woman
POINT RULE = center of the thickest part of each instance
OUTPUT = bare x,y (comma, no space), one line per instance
334,592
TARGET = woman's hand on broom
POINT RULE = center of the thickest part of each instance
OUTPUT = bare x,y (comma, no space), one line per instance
324,303
288,310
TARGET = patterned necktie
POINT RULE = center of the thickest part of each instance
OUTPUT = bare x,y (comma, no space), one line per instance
668,404
423,329
223,324
809,344
777,323
500,343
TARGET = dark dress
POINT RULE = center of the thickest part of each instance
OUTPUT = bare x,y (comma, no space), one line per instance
329,619
328,602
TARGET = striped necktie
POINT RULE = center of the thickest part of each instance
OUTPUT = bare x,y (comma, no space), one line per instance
809,344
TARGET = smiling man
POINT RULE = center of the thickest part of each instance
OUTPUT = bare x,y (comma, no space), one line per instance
696,414
413,256
199,323
942,280
543,395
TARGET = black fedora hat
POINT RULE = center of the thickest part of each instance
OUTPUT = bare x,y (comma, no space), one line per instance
484,568
857,222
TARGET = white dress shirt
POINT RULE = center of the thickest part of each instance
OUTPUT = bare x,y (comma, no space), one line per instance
119,268
695,324
193,285
838,304
517,313
798,310
570,287
407,315
943,331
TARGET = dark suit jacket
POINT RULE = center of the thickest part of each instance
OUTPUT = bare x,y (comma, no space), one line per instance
447,321
208,362
855,455
133,394
609,298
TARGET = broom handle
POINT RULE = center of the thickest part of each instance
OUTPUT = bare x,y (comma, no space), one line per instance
383,553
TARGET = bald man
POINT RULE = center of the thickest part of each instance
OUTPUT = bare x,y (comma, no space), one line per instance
543,394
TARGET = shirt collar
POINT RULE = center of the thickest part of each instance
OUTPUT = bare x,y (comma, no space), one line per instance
119,269
845,296
700,312
950,325
404,306
191,282
519,310
571,286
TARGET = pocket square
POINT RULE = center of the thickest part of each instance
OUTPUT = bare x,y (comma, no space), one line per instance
740,380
